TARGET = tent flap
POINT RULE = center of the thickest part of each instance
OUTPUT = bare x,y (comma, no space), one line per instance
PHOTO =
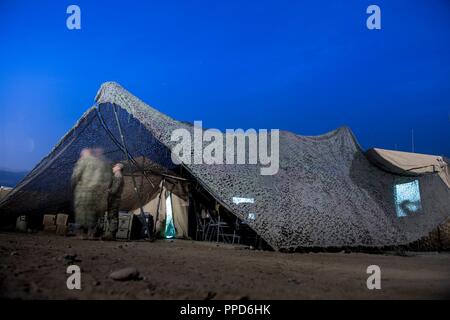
407,163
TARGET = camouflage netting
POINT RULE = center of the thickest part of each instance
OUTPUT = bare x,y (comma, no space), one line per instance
326,193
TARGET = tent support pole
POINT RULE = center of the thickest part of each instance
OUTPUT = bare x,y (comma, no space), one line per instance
117,143
138,195
159,203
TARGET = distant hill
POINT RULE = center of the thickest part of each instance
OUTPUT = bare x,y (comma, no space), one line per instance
10,178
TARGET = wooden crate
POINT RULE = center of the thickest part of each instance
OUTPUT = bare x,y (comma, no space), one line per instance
49,222
61,230
62,219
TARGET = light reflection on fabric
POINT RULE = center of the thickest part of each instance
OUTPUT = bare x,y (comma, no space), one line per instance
407,198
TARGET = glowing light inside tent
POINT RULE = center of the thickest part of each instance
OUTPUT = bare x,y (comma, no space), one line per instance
238,200
407,198
170,228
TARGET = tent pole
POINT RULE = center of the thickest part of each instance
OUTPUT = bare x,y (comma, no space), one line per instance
159,203
132,175
114,140
218,221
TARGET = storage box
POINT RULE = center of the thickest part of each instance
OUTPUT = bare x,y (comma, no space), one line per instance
125,225
50,228
62,219
123,234
125,220
49,219
61,230
49,222
21,223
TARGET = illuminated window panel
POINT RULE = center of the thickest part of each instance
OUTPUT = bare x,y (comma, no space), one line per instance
170,228
407,198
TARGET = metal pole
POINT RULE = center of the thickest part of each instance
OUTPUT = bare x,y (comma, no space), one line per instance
159,203
138,195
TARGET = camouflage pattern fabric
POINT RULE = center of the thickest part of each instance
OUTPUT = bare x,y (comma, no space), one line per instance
91,179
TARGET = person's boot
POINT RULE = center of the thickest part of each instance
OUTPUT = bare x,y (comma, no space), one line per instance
111,230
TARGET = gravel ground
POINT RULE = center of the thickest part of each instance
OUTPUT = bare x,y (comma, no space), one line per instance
33,266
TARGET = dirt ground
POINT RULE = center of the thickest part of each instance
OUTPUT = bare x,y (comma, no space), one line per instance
33,266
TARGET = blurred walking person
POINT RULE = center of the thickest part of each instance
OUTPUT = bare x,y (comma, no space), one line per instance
91,179
114,199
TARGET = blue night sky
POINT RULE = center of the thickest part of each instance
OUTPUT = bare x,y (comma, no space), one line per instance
303,66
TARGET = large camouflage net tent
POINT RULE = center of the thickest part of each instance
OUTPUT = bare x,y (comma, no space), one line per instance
325,194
